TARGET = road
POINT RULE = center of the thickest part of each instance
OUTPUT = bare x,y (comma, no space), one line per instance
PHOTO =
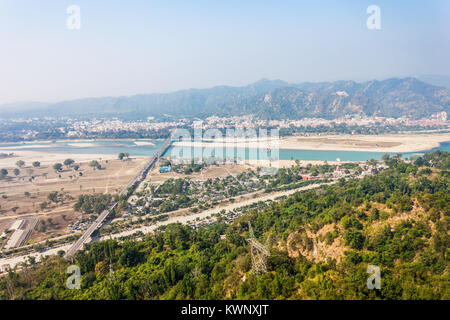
229,207
140,176
13,261
88,233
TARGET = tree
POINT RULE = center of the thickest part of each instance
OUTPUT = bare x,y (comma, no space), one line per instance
68,162
4,172
354,239
76,167
94,164
121,156
31,260
53,196
372,162
122,205
20,163
130,255
16,172
164,163
43,205
57,167
101,269
36,164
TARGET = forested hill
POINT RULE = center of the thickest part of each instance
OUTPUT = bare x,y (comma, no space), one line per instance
266,99
322,242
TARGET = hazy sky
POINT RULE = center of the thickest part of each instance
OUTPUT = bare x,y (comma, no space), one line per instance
130,47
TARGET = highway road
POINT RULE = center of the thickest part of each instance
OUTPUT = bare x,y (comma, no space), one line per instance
140,176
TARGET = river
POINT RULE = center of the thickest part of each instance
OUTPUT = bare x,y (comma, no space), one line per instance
150,147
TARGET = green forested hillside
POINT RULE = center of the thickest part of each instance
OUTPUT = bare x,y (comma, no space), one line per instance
321,243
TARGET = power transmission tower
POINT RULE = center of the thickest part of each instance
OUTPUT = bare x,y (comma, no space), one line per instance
260,253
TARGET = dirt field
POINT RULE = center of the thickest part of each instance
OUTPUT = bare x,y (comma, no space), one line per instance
22,195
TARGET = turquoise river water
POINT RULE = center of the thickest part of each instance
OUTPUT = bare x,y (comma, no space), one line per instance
129,146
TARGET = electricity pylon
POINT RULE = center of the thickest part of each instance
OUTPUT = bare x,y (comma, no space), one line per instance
260,253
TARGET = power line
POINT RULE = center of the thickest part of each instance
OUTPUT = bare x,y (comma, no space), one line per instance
259,252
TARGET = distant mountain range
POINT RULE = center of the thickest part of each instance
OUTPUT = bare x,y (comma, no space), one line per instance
435,80
267,99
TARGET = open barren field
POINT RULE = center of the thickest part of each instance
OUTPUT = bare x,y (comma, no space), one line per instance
26,195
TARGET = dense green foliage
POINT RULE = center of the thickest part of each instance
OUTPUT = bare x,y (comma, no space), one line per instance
397,219
94,203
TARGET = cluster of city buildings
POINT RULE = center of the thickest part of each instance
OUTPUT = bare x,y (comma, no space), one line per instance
249,121
50,128
116,125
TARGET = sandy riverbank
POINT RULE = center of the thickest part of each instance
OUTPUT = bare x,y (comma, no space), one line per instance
376,143
80,140
373,143
144,143
83,145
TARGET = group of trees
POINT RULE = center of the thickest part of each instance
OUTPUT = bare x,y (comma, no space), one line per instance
178,191
172,186
95,164
4,172
123,155
16,171
177,262
95,203
68,163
